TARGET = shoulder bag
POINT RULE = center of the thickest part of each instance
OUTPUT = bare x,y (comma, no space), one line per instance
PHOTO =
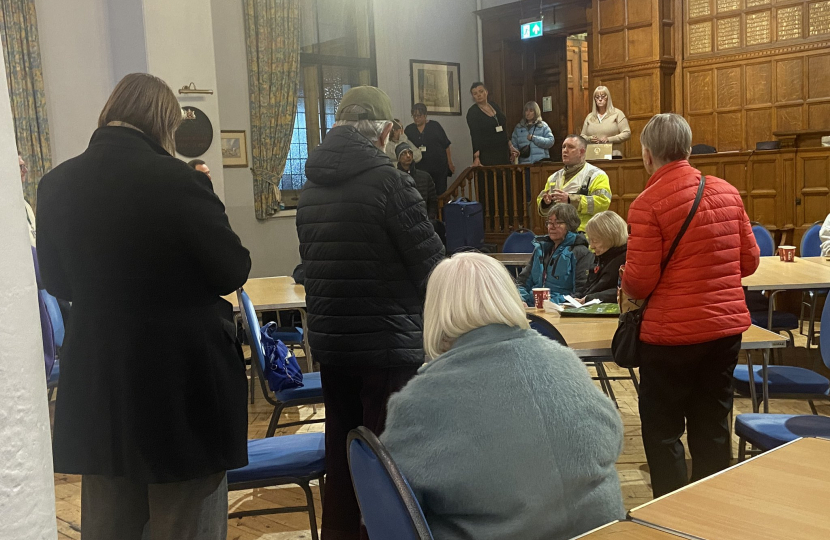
626,342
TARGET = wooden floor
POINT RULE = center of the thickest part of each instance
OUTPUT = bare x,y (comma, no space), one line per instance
631,466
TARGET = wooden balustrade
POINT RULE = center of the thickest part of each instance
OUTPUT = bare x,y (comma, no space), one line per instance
787,190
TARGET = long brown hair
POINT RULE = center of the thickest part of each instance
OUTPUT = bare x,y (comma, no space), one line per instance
147,103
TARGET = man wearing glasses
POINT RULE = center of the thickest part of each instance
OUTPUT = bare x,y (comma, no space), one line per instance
429,137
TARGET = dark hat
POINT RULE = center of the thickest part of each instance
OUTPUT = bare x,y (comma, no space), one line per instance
375,105
401,148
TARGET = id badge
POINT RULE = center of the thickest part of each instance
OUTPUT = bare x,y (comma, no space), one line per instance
499,129
422,148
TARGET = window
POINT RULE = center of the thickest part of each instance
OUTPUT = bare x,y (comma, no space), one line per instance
337,54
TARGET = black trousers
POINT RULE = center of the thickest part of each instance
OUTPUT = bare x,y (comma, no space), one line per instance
686,388
353,397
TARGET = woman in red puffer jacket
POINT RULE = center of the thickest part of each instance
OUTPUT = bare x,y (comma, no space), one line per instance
691,330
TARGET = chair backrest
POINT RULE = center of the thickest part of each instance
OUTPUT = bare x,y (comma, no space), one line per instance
389,508
810,242
48,336
251,325
764,240
55,316
519,241
824,334
546,329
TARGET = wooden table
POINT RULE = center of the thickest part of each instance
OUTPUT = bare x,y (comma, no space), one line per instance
591,337
824,261
512,259
626,530
781,494
775,275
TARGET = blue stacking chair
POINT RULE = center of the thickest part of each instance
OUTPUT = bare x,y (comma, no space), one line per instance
764,239
758,303
310,394
810,247
389,508
275,461
768,431
519,241
57,332
790,382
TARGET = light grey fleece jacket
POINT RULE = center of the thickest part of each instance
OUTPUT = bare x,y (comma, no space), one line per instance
505,436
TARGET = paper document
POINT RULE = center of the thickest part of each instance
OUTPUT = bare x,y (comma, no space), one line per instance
573,302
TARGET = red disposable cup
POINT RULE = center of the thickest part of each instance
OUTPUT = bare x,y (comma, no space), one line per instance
540,295
786,253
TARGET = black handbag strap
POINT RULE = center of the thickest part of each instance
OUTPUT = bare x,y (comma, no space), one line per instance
677,238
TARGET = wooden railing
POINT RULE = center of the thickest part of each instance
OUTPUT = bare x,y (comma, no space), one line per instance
507,194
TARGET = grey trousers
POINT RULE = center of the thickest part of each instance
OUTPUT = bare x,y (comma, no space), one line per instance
117,508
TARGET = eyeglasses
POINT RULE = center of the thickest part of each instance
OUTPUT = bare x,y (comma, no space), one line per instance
555,223
418,115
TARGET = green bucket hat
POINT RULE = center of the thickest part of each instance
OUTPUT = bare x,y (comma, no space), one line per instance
374,101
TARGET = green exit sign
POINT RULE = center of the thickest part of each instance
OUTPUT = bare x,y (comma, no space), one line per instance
532,29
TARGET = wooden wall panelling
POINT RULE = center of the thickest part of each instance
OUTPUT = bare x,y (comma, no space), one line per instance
812,174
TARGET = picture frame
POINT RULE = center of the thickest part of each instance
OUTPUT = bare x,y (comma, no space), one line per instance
234,148
437,85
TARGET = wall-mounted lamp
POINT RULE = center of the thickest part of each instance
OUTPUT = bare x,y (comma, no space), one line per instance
191,89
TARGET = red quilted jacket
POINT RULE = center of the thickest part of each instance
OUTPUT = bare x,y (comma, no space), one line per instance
699,296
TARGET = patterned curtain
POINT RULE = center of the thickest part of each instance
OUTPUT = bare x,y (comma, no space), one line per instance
272,35
24,75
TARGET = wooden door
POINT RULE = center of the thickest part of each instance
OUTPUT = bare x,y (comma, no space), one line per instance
579,95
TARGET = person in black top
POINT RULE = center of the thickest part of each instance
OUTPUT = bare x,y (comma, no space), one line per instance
491,143
429,137
608,237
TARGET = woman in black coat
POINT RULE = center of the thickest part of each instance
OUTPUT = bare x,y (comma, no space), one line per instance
608,236
151,406
488,130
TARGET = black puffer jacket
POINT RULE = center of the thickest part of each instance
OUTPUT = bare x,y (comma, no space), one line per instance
367,249
603,276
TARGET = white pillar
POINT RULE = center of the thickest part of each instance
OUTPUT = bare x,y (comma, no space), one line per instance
27,490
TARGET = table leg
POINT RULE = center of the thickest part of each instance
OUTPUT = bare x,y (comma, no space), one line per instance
771,309
752,394
307,349
765,383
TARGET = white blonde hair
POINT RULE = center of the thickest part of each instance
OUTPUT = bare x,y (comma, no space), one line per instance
609,105
465,292
608,227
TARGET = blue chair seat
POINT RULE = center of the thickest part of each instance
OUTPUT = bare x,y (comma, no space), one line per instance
782,380
780,319
296,456
289,335
312,387
769,431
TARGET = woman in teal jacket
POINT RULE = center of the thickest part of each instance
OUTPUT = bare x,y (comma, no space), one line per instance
561,260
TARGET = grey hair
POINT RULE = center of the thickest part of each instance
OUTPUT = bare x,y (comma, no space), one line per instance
371,129
567,213
609,105
583,143
608,227
668,137
532,106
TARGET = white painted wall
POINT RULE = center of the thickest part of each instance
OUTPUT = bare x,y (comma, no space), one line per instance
77,70
27,493
275,249
421,35
179,41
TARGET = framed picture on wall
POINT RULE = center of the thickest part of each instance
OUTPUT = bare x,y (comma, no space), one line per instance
437,85
234,148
